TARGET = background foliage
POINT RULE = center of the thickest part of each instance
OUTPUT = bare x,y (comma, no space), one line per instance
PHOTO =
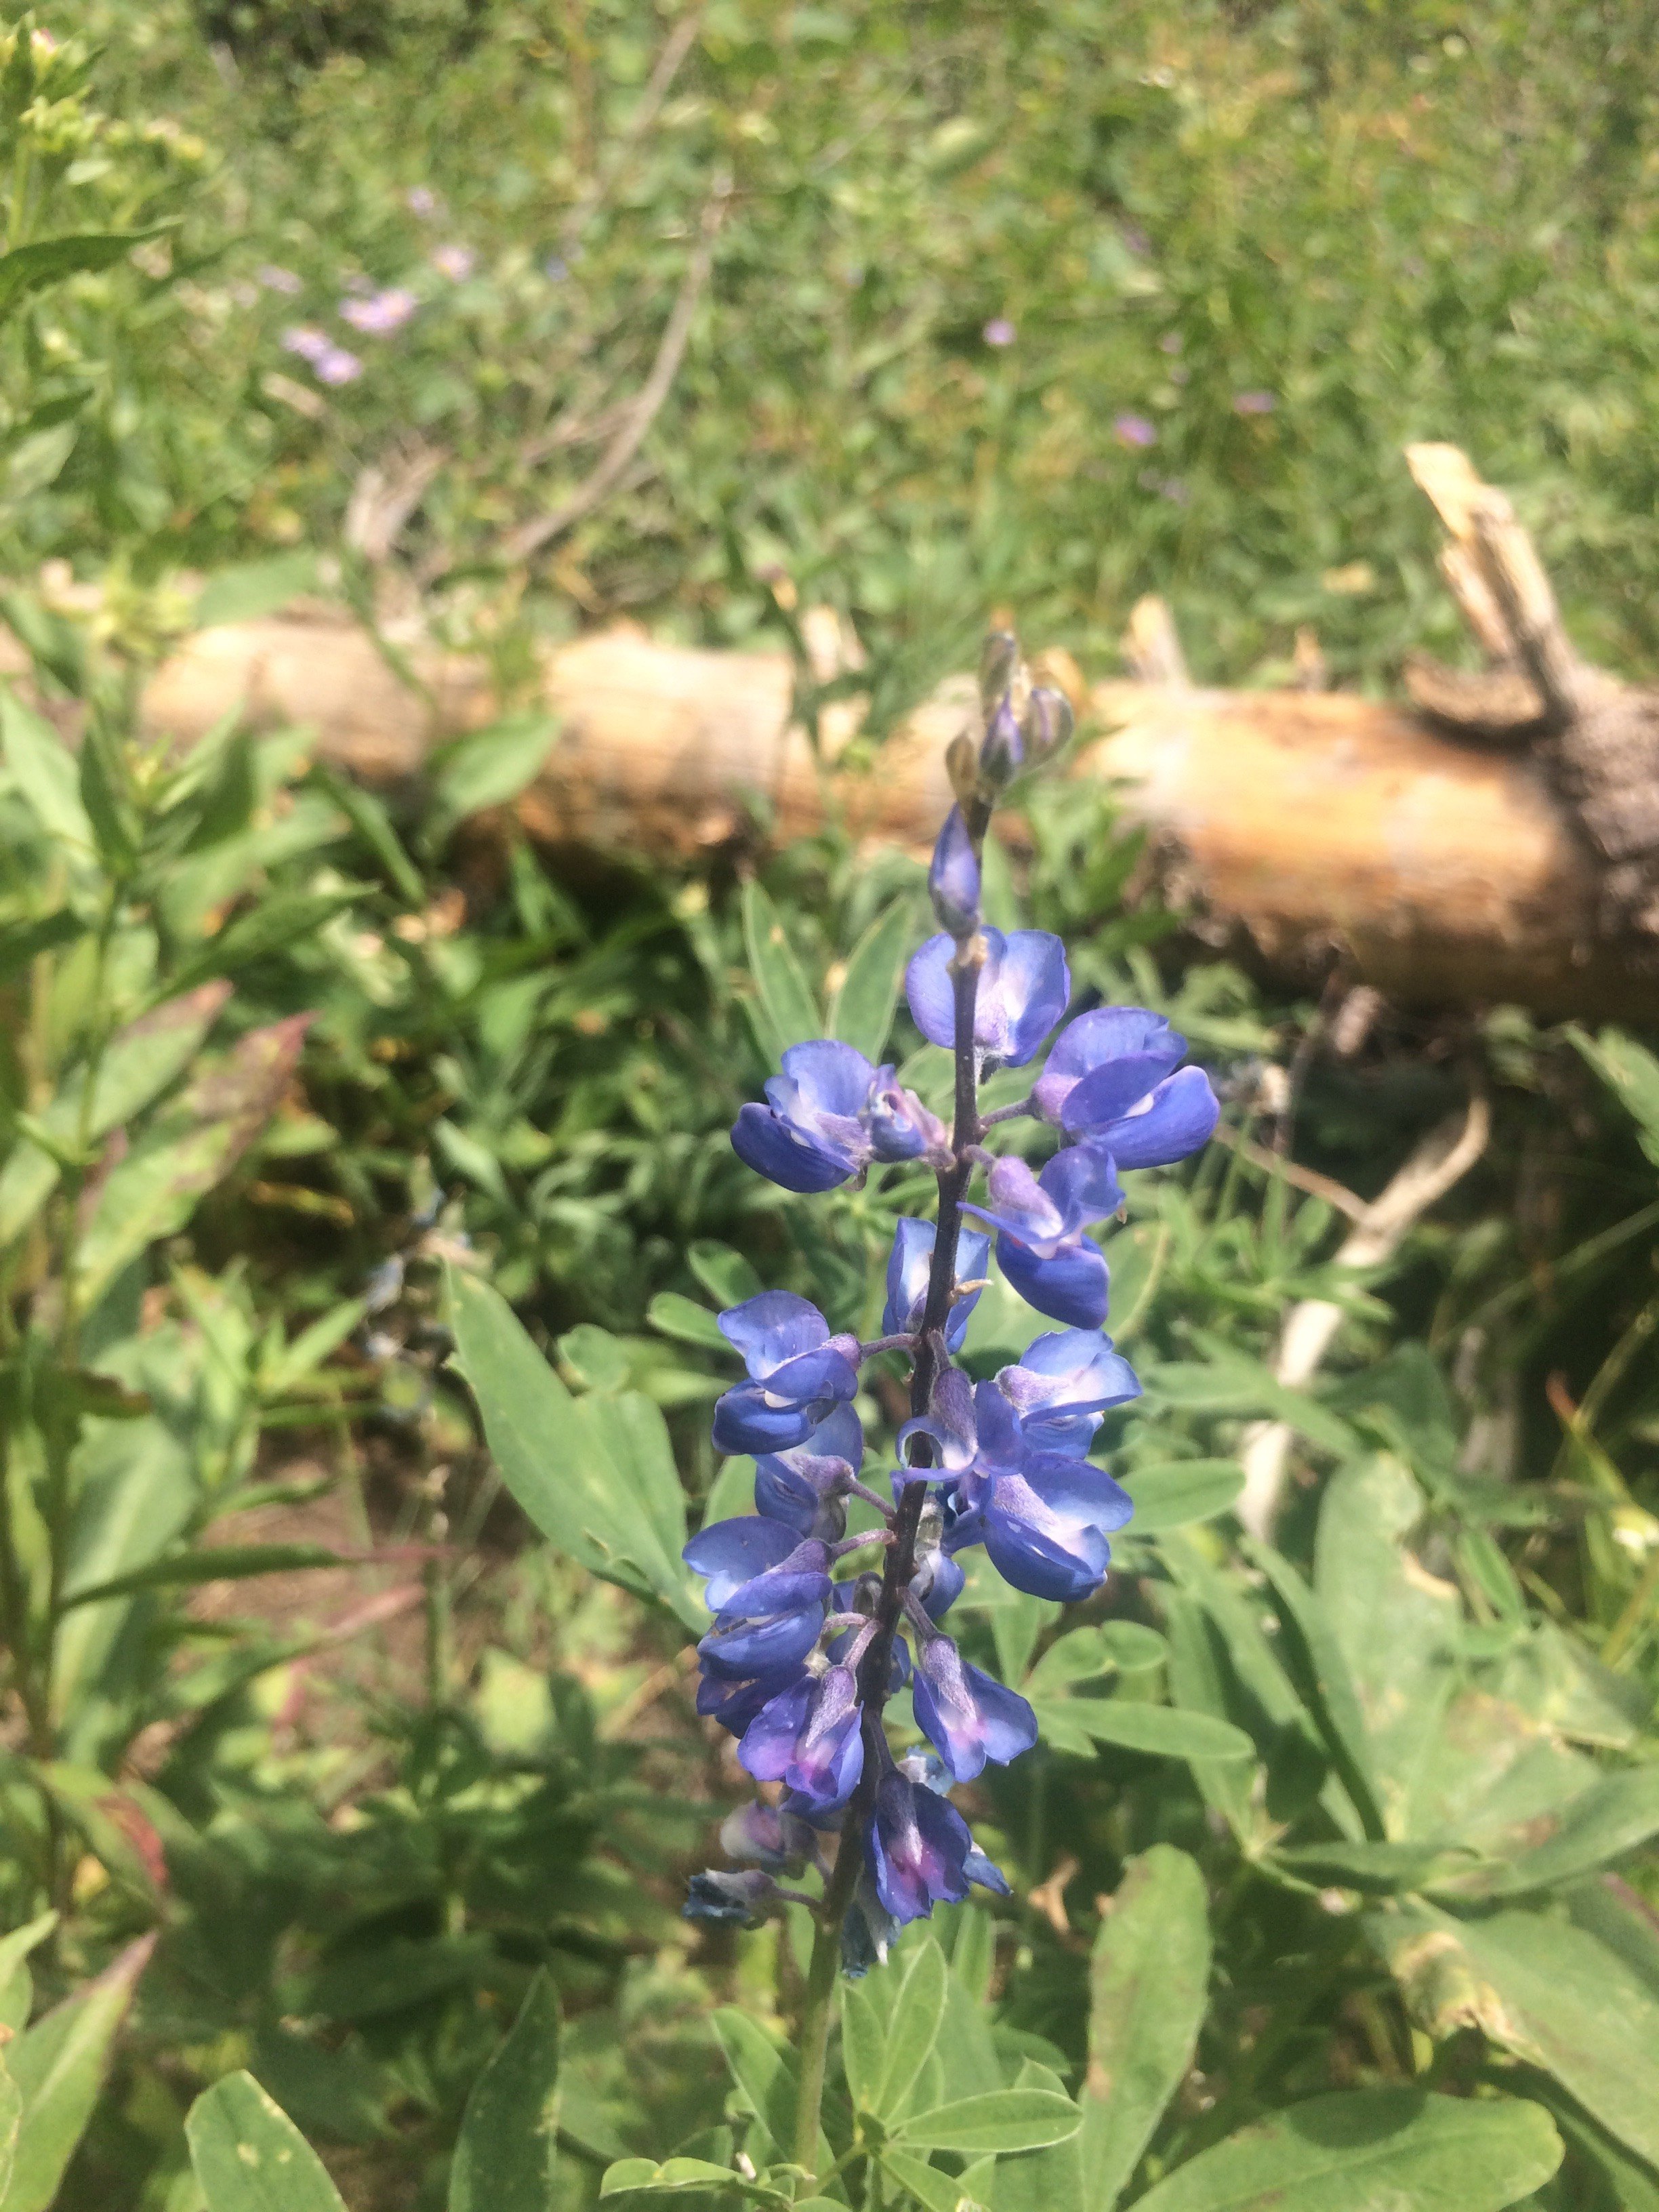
1126,299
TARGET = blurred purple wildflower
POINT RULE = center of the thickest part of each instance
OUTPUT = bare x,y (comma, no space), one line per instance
338,366
999,331
420,200
381,313
455,262
1253,403
279,280
306,340
1133,430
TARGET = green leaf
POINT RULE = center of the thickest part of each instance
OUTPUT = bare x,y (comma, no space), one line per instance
940,2192
1550,1993
1049,2180
11,2121
1116,1647
16,1984
280,920
1384,1867
685,1321
1175,1494
726,1275
1149,1982
249,2156
765,2079
491,767
44,769
999,2120
912,2025
504,2159
557,1458
1372,2150
1610,1818
221,1563
59,2067
639,2174
863,2046
48,260
22,942
861,1010
1161,1731
1314,1658
1631,1073
788,1012
254,589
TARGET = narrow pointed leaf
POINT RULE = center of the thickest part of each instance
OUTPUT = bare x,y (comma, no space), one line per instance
789,1013
912,2025
504,2159
59,2066
861,1011
1001,2120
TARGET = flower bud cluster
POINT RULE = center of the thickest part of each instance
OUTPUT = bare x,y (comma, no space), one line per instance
814,1629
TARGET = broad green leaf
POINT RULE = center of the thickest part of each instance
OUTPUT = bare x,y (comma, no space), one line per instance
1149,1982
1230,1385
1175,1494
16,1984
249,2156
1631,1073
912,2025
555,1458
1198,1683
863,2046
1116,1647
1161,1731
280,921
22,942
490,767
43,768
788,1012
1316,1665
727,1277
1550,1993
1372,2150
48,260
685,1321
254,589
861,1011
220,1562
939,2192
1050,2180
1610,1818
999,2120
505,2156
59,2066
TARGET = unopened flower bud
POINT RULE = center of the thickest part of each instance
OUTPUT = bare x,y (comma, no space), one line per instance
1003,750
745,1897
1047,721
999,665
953,879
961,766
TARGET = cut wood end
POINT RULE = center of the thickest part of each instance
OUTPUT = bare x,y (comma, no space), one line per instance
1447,479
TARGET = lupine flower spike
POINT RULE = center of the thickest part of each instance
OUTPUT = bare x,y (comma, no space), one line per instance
816,1633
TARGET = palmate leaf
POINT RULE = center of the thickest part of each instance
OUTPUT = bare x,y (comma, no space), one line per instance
1148,1988
594,1474
1372,2150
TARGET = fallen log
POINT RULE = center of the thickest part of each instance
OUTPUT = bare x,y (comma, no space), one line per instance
1316,825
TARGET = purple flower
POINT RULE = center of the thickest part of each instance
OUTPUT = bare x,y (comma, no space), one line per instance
809,1738
455,262
806,1487
1044,1526
1023,987
381,312
953,879
420,200
1061,1385
965,1715
999,331
1109,1078
827,1116
768,1625
744,1897
797,1373
1133,430
1041,1247
729,1553
734,1701
909,1265
918,1846
337,366
279,280
1253,403
306,340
